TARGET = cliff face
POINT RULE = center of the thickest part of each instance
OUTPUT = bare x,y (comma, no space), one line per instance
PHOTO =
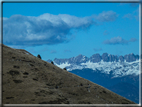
27,79
96,58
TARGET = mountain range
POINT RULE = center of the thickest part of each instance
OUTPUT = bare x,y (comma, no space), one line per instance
107,63
110,71
97,58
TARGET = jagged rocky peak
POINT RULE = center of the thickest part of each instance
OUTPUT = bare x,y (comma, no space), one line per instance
121,58
60,61
130,57
95,58
76,60
105,57
80,59
113,58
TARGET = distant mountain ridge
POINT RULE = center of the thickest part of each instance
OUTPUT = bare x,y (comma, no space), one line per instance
97,58
107,63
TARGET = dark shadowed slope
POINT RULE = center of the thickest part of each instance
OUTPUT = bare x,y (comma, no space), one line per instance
30,80
127,90
126,86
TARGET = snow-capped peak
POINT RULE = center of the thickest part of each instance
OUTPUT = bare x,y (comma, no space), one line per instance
127,65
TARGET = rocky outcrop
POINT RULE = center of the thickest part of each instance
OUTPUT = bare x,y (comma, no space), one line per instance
130,57
97,58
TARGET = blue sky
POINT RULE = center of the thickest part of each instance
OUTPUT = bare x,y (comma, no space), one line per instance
64,30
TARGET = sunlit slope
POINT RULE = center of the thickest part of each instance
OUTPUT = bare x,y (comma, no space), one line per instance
30,80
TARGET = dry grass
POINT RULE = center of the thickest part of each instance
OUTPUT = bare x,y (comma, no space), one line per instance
30,80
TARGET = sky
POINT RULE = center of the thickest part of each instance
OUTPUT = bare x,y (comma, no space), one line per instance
65,30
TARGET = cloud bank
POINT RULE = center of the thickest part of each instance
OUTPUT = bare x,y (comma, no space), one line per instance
47,28
133,15
119,40
107,16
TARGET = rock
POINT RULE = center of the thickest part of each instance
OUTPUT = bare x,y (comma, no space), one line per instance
39,56
105,57
95,58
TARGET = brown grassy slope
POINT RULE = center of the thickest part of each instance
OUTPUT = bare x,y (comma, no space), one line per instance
30,80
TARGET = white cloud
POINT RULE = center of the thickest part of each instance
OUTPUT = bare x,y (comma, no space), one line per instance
106,16
118,40
130,16
132,40
133,15
47,28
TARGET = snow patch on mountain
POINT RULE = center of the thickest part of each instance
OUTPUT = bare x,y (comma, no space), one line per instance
106,63
63,65
117,68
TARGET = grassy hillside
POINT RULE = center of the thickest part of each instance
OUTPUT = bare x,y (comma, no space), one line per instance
27,79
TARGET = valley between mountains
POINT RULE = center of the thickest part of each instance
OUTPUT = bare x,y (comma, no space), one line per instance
27,79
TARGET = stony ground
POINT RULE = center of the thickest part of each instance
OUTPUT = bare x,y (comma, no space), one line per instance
27,79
